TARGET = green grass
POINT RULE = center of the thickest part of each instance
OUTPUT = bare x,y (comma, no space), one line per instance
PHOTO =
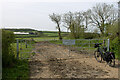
51,34
117,55
37,39
20,70
21,67
25,52
55,34
56,41
26,36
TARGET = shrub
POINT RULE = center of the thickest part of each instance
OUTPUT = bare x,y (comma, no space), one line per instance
91,35
8,56
112,31
115,44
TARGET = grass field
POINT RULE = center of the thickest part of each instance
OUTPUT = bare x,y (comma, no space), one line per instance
42,34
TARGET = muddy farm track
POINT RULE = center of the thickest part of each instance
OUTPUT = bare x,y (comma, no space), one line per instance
53,61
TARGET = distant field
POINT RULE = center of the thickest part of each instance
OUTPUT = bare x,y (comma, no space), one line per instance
42,34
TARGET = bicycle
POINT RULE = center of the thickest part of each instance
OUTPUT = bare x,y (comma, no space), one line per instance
102,54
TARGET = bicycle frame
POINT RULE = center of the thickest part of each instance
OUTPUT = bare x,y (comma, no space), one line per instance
105,55
101,52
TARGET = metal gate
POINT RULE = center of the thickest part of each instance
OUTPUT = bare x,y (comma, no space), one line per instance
24,48
85,44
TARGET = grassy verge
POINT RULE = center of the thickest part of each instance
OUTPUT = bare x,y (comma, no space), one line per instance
117,56
20,71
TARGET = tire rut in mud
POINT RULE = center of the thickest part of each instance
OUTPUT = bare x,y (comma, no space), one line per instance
73,69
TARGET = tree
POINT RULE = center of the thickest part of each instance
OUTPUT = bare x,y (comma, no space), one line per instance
79,24
113,31
68,18
57,19
87,15
102,15
74,22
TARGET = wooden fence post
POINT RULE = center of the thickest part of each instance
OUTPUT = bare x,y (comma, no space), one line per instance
89,43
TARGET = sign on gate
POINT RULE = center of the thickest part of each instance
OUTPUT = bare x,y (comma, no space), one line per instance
69,42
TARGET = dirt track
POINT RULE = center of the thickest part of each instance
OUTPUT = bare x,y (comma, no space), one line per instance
53,61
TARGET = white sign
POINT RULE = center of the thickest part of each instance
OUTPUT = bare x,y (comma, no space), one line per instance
69,42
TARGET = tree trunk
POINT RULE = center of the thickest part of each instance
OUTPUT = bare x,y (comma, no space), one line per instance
59,32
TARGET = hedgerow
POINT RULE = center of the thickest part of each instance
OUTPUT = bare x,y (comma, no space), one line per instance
8,53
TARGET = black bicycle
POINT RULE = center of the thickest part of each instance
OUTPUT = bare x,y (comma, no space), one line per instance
102,54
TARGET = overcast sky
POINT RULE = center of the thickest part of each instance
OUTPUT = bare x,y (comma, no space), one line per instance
35,13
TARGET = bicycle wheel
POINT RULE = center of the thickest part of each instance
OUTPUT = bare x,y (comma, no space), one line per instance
112,61
98,56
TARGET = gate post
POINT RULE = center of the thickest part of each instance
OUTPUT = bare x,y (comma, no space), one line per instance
108,44
17,49
89,43
26,43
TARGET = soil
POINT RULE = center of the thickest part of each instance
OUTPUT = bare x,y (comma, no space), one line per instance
56,61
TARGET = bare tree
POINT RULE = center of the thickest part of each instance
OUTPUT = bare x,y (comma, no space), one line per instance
68,19
87,15
74,22
79,19
79,24
101,15
56,18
